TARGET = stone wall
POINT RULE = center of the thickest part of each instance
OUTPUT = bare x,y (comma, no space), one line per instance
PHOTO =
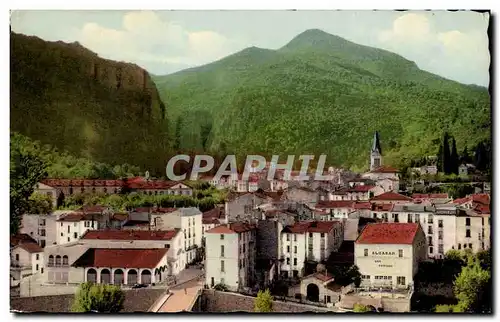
215,301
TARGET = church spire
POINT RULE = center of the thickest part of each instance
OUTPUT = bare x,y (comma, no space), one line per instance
376,153
376,143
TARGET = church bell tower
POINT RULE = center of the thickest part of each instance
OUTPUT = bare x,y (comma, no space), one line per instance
376,153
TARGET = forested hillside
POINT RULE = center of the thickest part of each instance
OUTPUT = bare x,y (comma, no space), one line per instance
321,94
106,111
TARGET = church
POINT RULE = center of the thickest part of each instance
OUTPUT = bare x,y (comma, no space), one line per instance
385,176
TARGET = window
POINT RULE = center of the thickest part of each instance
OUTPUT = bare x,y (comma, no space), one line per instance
42,243
75,235
440,249
288,260
467,221
417,217
287,237
58,260
37,256
295,261
459,246
440,223
212,282
440,235
65,260
222,251
374,215
429,240
482,221
431,250
310,235
222,266
42,222
167,246
467,233
322,235
470,246
221,236
42,232
400,253
17,257
430,218
396,217
37,267
410,219
294,237
62,234
295,249
365,277
366,252
69,239
61,224
69,229
401,280
287,249
51,260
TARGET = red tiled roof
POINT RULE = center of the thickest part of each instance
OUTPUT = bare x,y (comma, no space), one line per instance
430,196
363,205
389,196
302,227
388,233
217,212
382,207
482,198
482,209
78,216
327,204
24,238
462,200
361,188
323,277
210,221
31,247
130,235
385,169
121,258
232,228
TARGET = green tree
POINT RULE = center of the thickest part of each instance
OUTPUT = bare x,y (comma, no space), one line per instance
360,308
471,286
446,154
40,204
354,275
454,161
100,298
263,301
26,170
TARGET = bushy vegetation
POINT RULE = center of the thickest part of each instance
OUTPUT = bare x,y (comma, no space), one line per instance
360,308
263,302
321,94
203,199
98,298
67,166
66,96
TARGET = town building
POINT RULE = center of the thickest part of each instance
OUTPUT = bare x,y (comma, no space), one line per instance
388,254
310,241
391,198
231,256
26,257
41,227
376,153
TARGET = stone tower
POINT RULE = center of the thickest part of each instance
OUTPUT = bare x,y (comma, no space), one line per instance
376,153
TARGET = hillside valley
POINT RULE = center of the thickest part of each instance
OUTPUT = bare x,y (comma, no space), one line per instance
320,94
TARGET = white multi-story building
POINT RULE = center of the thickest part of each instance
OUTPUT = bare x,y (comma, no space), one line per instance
308,241
230,256
189,220
41,227
72,226
122,246
388,254
26,259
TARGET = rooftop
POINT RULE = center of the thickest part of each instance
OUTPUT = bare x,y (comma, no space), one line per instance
388,233
121,258
232,228
391,196
302,227
322,204
30,247
385,169
130,235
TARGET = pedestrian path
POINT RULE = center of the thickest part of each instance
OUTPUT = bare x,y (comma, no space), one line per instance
182,297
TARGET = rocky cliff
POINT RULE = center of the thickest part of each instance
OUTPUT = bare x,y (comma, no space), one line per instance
65,95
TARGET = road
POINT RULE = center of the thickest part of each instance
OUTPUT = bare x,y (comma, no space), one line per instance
182,296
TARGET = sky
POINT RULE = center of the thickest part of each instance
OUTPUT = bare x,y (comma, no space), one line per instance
451,44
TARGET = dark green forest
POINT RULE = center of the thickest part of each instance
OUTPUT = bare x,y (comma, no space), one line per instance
321,94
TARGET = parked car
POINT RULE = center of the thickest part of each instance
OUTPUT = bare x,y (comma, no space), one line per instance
139,286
